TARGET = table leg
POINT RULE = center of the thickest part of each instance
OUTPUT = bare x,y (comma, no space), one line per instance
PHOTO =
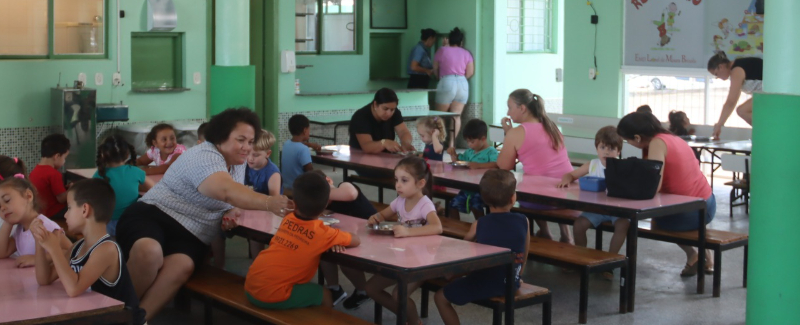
335,127
510,294
712,168
344,175
701,253
402,302
630,251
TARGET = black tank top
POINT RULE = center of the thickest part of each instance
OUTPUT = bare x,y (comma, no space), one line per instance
753,67
121,289
361,207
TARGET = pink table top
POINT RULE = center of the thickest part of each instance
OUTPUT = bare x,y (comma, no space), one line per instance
21,297
413,252
526,184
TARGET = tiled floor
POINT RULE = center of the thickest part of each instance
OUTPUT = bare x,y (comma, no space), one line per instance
662,296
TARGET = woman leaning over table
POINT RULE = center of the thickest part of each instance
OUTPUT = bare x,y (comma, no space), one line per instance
680,175
165,235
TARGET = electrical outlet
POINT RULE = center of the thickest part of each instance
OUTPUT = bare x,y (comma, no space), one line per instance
559,75
116,79
592,73
98,79
82,78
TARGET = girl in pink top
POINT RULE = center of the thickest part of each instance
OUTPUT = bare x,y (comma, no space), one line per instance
164,150
681,175
453,65
538,145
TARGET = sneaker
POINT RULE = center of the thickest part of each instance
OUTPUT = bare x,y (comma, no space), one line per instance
355,300
338,295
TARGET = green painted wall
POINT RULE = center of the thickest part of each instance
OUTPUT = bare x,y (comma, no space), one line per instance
233,87
25,84
582,96
534,71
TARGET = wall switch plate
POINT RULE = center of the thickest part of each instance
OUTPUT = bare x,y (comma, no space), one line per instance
116,79
82,77
559,75
197,78
566,120
98,79
592,73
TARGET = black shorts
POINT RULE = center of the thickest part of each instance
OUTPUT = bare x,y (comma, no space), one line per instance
142,220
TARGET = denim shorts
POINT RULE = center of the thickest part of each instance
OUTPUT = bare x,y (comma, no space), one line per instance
686,221
597,219
452,88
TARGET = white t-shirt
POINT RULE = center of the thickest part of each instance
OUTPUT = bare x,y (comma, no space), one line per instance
596,168
418,216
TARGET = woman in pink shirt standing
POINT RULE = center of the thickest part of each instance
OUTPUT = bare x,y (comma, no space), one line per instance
453,65
539,146
680,175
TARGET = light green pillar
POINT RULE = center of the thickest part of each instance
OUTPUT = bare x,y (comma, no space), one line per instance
232,33
773,290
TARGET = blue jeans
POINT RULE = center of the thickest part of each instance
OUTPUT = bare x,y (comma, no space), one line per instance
688,220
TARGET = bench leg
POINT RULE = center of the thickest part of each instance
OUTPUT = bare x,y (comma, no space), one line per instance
380,194
208,311
584,296
423,309
744,268
182,301
378,313
717,273
598,239
497,314
547,309
320,276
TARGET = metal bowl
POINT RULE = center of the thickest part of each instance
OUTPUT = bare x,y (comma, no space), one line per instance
407,153
386,227
325,152
329,221
460,163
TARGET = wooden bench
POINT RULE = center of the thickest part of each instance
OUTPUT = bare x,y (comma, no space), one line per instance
217,288
716,240
585,260
527,295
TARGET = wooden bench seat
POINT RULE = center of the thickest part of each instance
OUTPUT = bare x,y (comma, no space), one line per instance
716,240
585,260
527,295
217,288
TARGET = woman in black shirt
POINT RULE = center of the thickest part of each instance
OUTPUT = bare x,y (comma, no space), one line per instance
745,75
373,127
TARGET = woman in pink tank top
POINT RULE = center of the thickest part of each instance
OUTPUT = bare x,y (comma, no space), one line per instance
539,146
681,175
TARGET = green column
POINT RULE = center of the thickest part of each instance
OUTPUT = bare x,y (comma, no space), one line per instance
232,78
232,32
773,290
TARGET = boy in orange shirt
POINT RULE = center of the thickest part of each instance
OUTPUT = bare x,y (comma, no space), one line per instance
280,276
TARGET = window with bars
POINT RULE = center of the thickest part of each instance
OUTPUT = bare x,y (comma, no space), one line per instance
530,26
325,26
699,97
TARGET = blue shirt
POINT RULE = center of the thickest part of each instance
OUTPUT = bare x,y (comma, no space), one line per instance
125,181
259,179
429,154
422,55
295,155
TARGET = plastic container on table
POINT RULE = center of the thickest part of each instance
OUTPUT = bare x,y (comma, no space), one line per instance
592,183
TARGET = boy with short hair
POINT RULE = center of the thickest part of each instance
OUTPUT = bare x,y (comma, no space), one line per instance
201,133
263,175
500,228
608,144
47,178
96,260
480,155
280,276
295,158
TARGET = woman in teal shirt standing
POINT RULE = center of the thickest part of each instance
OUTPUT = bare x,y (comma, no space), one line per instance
420,66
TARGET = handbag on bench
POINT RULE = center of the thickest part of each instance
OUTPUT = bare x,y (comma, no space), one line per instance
633,178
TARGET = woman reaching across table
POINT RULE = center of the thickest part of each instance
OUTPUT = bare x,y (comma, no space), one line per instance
745,75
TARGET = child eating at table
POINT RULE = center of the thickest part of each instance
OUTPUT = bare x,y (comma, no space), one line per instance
417,216
47,178
479,155
164,149
263,175
9,167
95,262
432,132
500,228
115,165
346,199
19,206
608,144
295,158
280,276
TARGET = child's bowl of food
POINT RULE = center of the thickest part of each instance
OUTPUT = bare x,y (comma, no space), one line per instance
592,183
407,153
329,221
460,163
327,213
385,227
325,152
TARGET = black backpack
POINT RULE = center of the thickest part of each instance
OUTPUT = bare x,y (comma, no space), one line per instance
633,178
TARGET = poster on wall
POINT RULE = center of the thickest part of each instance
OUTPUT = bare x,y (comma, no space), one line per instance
664,33
685,33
